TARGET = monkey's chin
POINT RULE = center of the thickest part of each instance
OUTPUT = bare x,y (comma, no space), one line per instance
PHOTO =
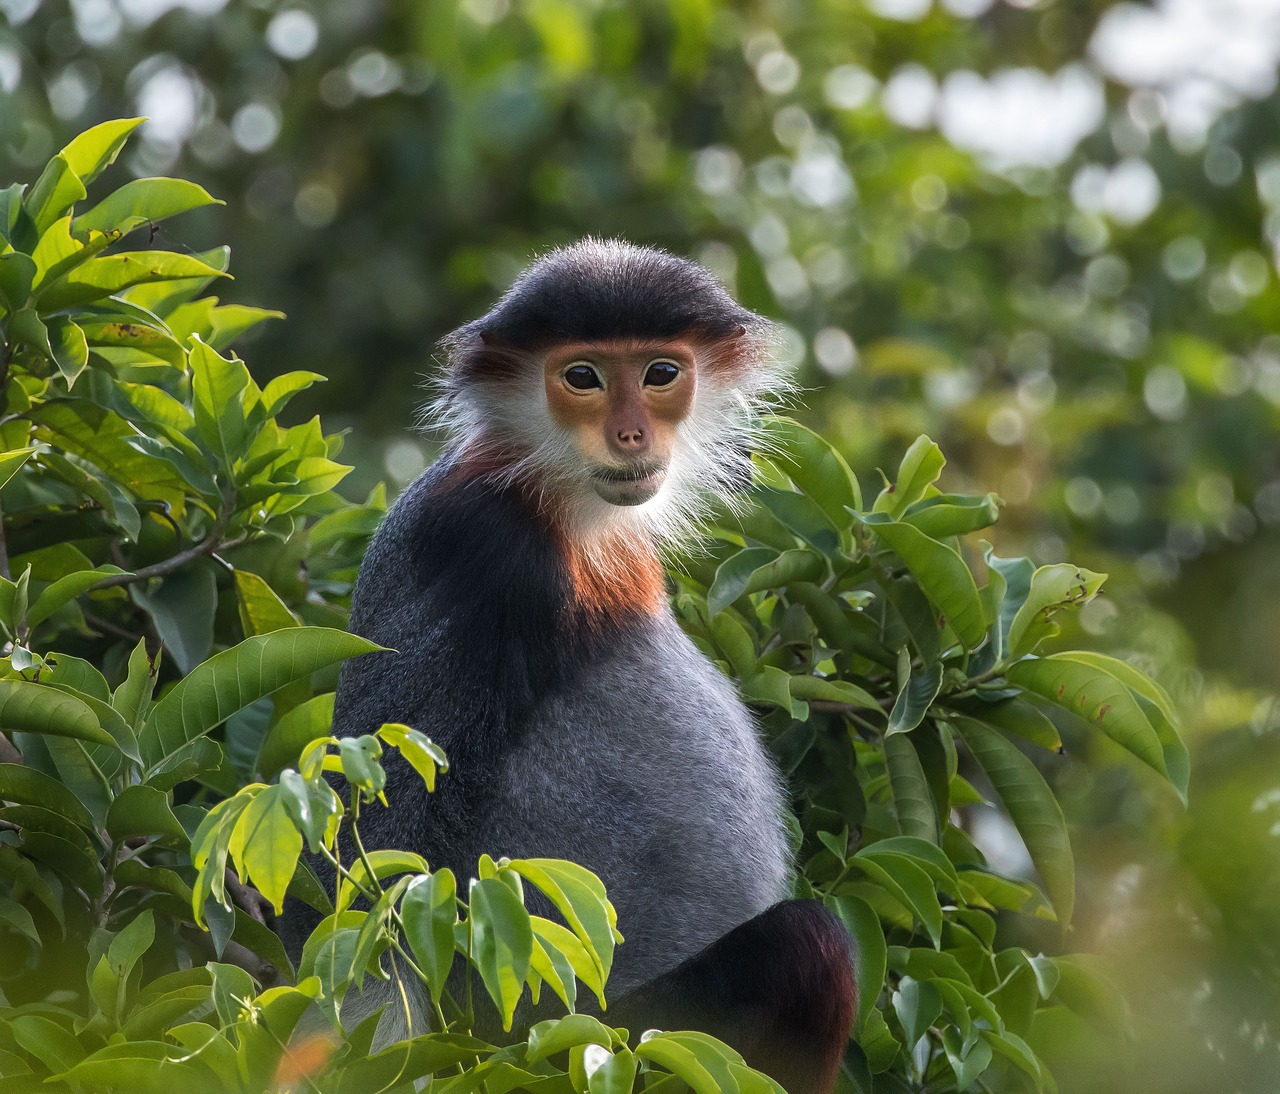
629,491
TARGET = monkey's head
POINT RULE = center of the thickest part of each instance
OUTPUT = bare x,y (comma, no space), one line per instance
618,382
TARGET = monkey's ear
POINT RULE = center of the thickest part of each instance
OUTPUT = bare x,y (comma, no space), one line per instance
488,337
739,333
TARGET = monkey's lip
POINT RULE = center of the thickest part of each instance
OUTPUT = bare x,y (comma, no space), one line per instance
628,485
641,474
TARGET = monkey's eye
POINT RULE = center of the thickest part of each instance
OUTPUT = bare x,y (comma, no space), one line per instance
660,374
582,377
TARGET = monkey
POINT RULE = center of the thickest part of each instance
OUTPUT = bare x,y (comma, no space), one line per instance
592,415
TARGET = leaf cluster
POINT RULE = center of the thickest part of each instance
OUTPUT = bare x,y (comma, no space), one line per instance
174,574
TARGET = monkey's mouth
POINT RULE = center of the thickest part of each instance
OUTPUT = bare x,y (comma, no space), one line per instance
628,485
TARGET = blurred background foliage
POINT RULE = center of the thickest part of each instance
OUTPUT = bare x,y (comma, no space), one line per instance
1042,231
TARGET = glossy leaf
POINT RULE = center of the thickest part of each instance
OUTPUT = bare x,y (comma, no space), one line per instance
869,951
430,912
231,680
142,201
1032,808
946,515
920,468
502,943
912,800
1053,589
941,573
1096,696
94,150
143,811
109,274
756,568
815,467
30,708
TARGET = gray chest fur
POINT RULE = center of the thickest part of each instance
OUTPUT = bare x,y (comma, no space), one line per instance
650,773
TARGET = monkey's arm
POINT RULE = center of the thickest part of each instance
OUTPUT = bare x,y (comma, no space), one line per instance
779,989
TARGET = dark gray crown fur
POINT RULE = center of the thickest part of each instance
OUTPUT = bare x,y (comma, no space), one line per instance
605,289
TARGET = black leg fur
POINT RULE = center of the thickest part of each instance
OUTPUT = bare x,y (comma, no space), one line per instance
779,989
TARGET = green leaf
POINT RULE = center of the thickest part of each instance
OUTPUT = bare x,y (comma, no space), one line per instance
17,917
834,691
869,951
1096,696
879,1044
579,896
946,515
968,1064
142,201
1008,583
430,912
918,1005
756,568
941,574
231,680
31,708
278,392
407,1062
569,959
916,693
265,845
909,885
1014,1049
815,467
502,943
148,1067
54,192
133,697
69,346
616,1075
423,754
556,1035
1031,806
94,150
293,732
47,1041
360,758
385,863
919,470
218,387
143,811
1158,708
12,462
912,799
109,274
1016,716
182,606
228,322
65,590
1053,589
314,807
17,272
261,609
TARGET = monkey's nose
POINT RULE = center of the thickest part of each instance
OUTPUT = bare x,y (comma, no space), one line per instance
633,439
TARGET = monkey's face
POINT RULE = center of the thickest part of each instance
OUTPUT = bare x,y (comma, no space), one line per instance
622,403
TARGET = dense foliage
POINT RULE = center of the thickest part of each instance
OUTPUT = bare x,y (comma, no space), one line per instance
175,574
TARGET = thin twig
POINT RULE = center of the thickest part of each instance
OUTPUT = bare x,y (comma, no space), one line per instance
248,898
207,546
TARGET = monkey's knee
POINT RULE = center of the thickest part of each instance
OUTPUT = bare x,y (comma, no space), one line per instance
779,989
805,991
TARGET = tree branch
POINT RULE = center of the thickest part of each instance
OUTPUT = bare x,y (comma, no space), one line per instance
207,546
